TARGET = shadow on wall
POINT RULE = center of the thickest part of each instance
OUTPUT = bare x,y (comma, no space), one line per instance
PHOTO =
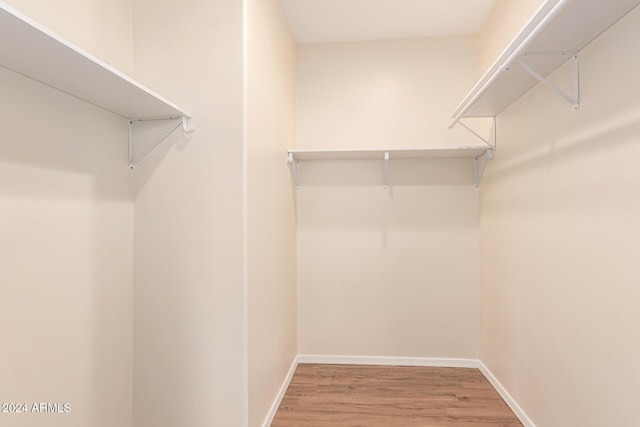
570,163
66,241
402,172
592,140
45,129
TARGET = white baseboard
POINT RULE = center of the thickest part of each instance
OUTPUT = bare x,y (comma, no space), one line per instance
283,389
517,410
389,361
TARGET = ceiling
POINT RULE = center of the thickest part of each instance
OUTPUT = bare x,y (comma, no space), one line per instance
326,21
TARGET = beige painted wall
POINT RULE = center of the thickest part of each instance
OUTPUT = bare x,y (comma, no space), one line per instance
66,238
66,245
559,244
189,331
383,94
386,273
102,28
506,19
270,208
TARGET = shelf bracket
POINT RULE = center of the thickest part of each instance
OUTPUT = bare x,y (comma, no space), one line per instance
295,170
491,144
481,165
573,100
385,170
179,121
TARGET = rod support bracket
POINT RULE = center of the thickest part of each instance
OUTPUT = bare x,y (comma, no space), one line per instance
491,153
295,170
481,164
385,170
185,125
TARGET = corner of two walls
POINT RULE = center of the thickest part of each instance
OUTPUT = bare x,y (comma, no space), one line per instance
270,204
215,277
102,28
505,20
559,235
386,272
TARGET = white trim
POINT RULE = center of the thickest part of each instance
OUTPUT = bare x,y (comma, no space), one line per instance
397,361
517,410
245,213
283,389
389,361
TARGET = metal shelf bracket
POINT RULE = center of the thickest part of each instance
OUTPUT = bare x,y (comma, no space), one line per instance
385,170
295,170
481,165
481,161
177,122
574,99
491,144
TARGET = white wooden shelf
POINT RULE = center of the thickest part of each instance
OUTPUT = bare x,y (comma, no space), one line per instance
401,153
555,34
480,154
32,50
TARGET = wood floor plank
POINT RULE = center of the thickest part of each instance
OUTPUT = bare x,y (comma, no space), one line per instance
389,396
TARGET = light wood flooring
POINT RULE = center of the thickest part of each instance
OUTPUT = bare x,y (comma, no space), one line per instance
372,396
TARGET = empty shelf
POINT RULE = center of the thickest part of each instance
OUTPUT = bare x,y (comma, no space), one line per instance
33,51
402,153
556,33
480,154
